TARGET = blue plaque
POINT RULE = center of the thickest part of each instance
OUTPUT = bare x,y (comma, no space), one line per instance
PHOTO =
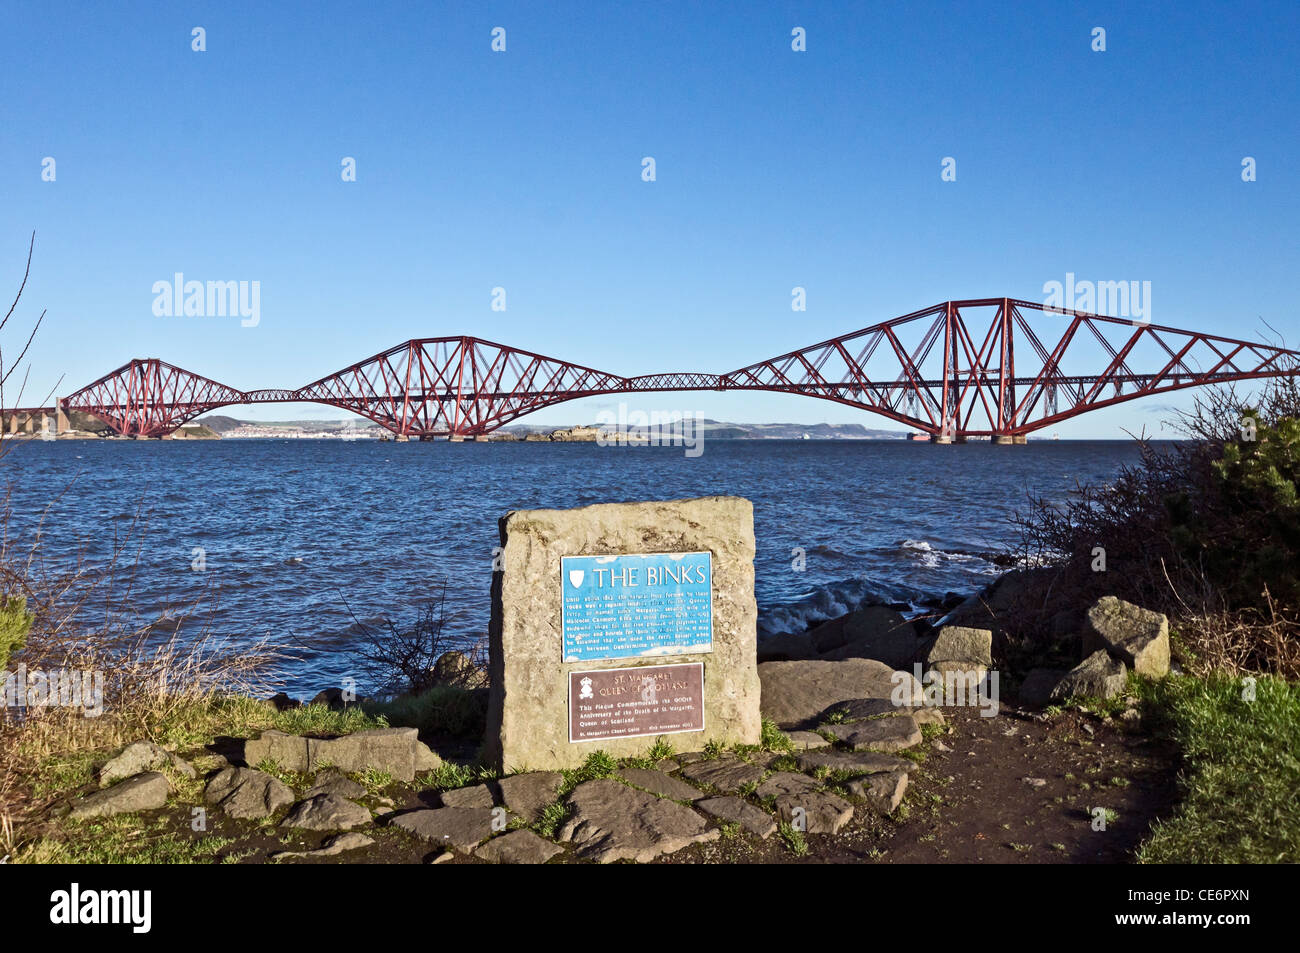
636,606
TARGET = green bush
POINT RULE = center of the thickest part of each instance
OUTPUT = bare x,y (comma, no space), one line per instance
15,623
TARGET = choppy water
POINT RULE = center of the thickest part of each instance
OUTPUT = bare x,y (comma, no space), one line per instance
295,532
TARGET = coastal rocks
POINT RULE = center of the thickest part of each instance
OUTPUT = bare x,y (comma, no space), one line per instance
733,810
397,751
333,781
610,821
726,775
656,782
332,846
880,734
796,693
786,782
883,792
326,812
460,828
247,794
807,740
786,646
971,647
529,794
479,795
816,813
143,792
855,762
132,760
457,670
877,632
1097,676
518,847
336,699
1136,636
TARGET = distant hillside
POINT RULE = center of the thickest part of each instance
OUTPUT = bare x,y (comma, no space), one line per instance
721,430
219,424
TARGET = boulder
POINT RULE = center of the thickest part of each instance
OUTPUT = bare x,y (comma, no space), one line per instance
796,693
517,847
141,792
786,646
876,632
282,702
957,643
786,782
1097,676
807,740
883,791
288,752
326,812
479,795
333,781
857,762
664,785
247,793
397,751
814,813
460,828
528,794
862,709
132,760
734,810
725,775
1136,636
610,821
336,698
894,733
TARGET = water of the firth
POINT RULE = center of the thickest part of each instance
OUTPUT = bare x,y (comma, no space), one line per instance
299,535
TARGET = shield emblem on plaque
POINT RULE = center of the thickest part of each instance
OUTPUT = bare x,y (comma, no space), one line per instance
575,577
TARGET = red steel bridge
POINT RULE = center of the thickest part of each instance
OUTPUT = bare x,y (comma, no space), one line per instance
989,367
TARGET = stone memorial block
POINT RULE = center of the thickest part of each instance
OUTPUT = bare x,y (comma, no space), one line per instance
615,623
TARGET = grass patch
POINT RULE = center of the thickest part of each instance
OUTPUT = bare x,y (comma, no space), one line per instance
773,738
793,839
1240,773
125,839
444,710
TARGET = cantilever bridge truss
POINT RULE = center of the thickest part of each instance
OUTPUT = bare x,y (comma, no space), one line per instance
990,367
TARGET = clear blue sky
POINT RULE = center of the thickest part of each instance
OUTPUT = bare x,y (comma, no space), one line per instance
523,170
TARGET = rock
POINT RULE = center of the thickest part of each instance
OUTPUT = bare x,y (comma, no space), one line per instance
610,821
970,675
528,794
528,709
807,740
338,844
440,858
880,734
862,709
876,632
1036,689
326,812
397,751
1035,782
726,775
181,766
460,828
956,643
819,813
518,847
247,793
883,791
734,810
141,792
1097,676
796,693
928,715
786,782
333,781
858,762
656,782
132,760
786,646
286,751
336,698
457,670
282,702
1131,719
1136,636
480,795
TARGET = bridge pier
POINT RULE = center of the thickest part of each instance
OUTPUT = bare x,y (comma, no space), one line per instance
947,438
1010,440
